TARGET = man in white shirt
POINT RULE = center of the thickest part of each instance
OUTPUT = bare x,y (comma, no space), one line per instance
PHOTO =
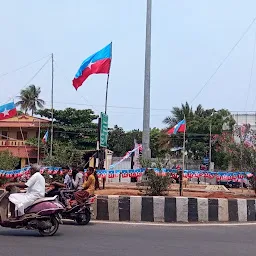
35,190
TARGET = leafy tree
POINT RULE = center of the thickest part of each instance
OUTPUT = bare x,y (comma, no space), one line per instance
64,154
72,125
153,184
8,161
29,99
198,127
177,114
120,141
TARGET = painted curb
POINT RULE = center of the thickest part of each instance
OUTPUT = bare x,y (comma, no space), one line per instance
173,209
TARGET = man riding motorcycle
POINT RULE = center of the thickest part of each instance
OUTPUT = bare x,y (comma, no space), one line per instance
35,190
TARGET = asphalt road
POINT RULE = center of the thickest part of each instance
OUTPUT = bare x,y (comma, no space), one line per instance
117,240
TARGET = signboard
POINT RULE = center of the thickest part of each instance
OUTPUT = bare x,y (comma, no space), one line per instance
104,130
206,160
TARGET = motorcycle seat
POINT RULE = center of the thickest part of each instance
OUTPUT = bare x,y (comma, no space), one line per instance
45,199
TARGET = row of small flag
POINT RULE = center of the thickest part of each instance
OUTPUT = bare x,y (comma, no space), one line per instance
135,173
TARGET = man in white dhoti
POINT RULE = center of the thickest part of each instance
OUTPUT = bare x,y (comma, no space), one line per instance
35,190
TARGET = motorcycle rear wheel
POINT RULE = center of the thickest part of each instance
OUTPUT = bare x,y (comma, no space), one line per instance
83,218
52,230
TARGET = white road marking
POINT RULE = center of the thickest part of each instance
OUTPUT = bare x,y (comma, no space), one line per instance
173,224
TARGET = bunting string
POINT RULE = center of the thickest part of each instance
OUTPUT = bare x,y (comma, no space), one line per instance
229,176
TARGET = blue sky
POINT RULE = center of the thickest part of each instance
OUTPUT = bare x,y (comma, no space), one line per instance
189,40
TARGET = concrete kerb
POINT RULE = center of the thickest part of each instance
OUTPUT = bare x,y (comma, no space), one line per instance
174,209
161,209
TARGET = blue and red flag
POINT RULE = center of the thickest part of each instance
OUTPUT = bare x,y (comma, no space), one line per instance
8,111
179,127
98,63
45,138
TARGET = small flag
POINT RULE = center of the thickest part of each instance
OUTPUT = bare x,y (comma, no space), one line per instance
98,63
45,138
8,111
179,127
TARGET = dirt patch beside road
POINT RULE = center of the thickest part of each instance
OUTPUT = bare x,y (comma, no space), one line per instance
135,192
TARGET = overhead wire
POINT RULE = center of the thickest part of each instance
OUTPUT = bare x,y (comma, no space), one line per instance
224,60
22,67
29,81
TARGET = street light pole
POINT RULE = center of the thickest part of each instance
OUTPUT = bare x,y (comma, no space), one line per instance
146,153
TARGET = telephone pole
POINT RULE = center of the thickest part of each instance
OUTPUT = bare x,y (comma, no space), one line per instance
146,153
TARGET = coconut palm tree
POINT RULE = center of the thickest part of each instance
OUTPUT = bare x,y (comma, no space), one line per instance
177,114
29,99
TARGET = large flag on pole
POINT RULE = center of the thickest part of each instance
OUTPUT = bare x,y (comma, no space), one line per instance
8,111
98,63
179,127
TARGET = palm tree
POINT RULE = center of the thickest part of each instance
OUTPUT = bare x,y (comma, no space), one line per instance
29,99
177,114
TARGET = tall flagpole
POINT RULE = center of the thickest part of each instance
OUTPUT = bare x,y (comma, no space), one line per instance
52,109
146,108
103,151
183,159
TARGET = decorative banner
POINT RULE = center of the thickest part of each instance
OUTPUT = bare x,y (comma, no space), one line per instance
24,173
127,155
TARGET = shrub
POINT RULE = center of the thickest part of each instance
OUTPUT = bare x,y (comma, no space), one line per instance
156,185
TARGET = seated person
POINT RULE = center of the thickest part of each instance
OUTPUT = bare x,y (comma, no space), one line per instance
68,178
88,187
79,179
35,190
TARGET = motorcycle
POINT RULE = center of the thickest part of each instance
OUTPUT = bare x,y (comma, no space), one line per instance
79,213
43,215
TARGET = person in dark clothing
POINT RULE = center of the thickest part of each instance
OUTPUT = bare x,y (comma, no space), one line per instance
97,184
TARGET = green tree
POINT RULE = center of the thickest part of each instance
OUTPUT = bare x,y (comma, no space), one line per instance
120,141
153,184
73,125
177,114
8,161
64,154
29,99
198,128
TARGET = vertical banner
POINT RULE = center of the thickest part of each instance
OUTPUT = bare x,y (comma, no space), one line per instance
104,130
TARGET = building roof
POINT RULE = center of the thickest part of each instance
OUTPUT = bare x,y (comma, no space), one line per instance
24,121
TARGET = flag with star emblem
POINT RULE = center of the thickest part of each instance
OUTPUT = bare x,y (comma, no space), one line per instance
98,63
7,111
179,127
